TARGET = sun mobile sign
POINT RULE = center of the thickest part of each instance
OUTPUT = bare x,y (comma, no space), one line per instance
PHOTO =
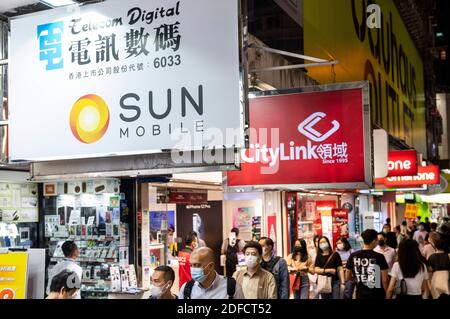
125,77
319,139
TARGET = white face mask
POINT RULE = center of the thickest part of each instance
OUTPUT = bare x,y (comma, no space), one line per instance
265,251
340,246
324,246
156,292
251,261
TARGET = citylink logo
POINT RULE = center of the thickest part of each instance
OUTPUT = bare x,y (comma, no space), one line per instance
89,118
307,127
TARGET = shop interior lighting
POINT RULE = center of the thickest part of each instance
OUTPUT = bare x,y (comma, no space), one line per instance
58,3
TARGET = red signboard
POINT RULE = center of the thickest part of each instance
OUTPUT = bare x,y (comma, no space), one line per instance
340,224
402,163
315,139
188,198
426,175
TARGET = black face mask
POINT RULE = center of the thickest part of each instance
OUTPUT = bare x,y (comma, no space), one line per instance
381,242
296,250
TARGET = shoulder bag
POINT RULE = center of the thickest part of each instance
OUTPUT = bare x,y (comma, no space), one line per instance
440,283
324,282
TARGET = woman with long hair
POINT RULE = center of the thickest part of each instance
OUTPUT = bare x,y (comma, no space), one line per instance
328,263
410,272
344,249
300,264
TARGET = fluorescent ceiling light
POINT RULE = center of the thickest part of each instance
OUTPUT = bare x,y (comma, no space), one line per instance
57,3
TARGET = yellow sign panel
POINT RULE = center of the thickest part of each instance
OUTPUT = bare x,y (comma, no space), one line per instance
13,275
386,57
411,211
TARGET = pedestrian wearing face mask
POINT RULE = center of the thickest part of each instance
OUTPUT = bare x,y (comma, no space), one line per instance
161,283
388,252
184,256
256,282
419,236
276,265
300,265
329,264
206,283
344,249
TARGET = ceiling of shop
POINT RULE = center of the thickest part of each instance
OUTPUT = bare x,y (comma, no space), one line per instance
9,5
10,8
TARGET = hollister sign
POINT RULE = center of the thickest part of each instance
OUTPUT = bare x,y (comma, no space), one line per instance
310,139
402,163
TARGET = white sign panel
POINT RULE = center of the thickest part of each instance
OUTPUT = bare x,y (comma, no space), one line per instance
124,77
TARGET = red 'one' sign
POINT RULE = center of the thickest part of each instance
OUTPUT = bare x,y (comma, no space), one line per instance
426,175
305,138
402,163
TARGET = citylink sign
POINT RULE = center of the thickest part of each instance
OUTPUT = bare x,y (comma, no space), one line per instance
384,56
125,77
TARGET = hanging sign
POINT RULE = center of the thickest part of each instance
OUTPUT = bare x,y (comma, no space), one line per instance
125,77
308,140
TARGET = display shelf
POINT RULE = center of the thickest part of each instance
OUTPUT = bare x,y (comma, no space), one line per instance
82,238
94,281
92,260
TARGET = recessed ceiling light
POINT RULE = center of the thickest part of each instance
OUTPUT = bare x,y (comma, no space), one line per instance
57,3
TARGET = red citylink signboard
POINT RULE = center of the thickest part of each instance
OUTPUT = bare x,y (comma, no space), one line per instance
313,140
402,163
426,175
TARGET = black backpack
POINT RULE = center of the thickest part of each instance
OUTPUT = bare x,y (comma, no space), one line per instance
271,264
231,288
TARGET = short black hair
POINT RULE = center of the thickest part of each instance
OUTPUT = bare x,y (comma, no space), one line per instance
445,219
190,238
68,248
253,244
369,235
404,223
433,226
169,274
268,241
62,280
439,244
235,230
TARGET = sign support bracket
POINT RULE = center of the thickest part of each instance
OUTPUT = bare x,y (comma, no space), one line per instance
316,61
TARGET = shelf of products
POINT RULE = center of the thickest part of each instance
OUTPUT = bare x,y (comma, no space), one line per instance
94,221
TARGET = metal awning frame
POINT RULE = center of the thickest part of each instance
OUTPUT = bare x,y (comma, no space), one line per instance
315,61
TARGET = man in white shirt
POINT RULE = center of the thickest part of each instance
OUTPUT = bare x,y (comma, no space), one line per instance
388,252
419,236
71,253
206,283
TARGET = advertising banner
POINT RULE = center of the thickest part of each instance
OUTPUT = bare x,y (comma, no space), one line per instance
385,55
402,163
124,77
19,203
13,275
272,227
427,175
243,220
411,211
340,224
309,140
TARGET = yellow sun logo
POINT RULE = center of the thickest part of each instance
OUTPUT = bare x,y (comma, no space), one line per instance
89,118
